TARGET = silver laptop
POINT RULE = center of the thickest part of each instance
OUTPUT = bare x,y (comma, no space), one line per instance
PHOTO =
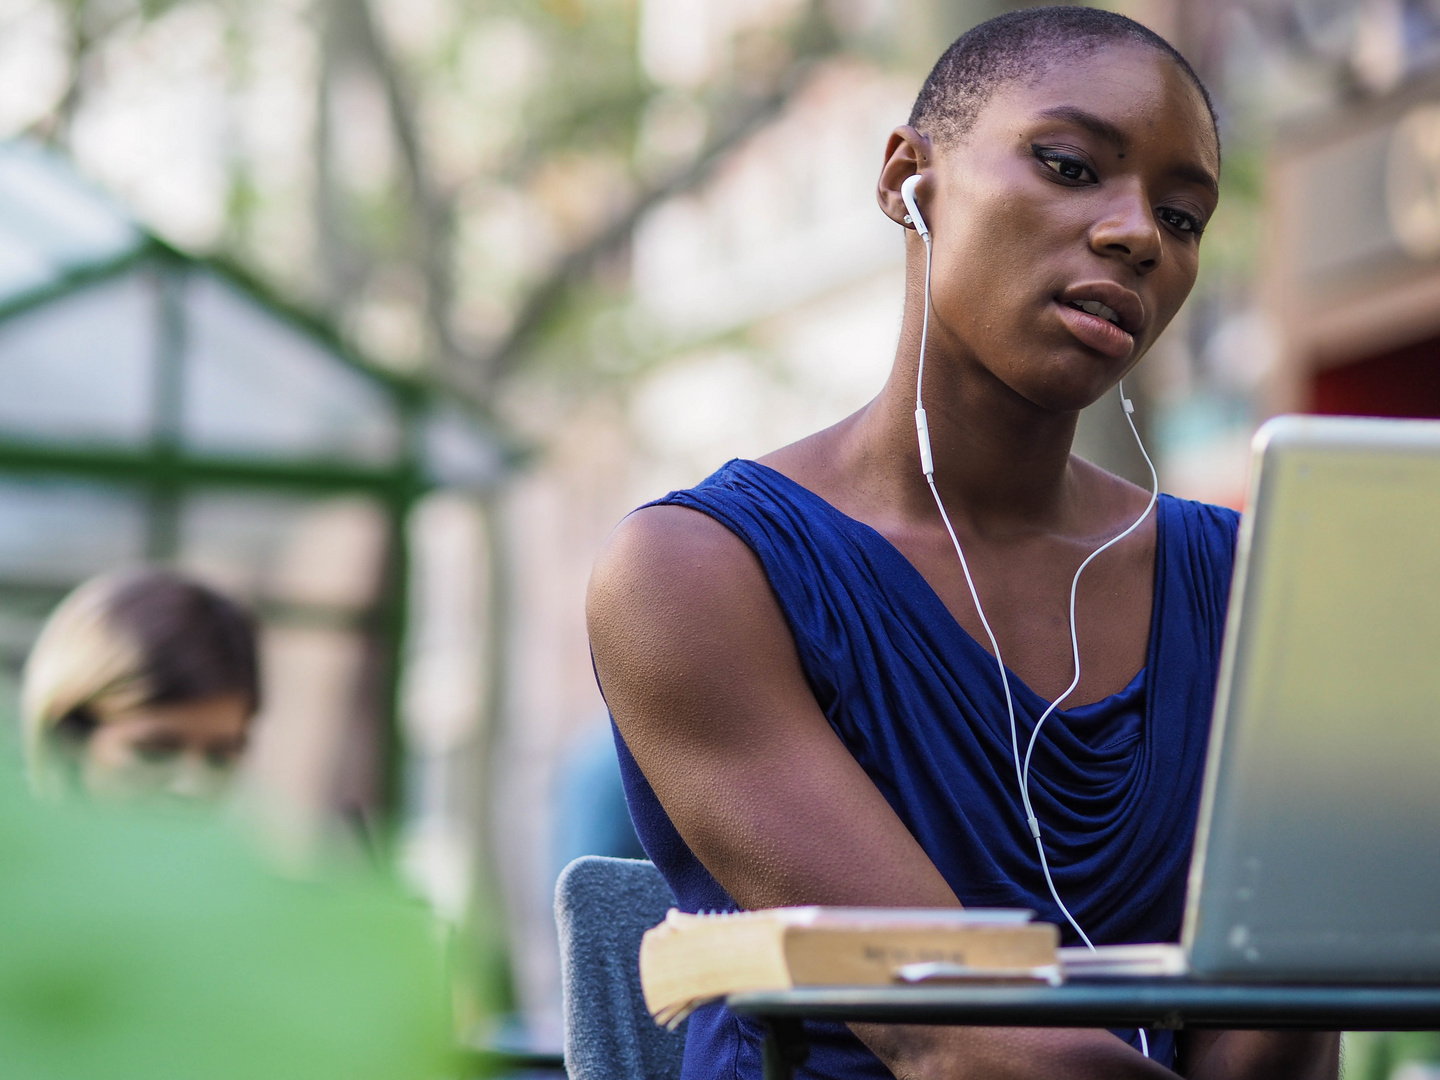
1317,853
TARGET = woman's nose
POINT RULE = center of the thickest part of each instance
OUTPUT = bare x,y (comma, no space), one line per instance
1129,232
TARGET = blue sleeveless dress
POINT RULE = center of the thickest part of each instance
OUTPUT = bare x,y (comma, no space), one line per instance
918,702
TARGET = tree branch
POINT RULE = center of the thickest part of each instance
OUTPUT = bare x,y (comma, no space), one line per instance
579,263
433,210
87,31
343,264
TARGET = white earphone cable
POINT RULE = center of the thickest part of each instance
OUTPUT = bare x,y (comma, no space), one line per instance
1022,771
927,464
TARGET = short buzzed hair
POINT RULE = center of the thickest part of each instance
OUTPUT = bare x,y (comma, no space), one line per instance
1023,45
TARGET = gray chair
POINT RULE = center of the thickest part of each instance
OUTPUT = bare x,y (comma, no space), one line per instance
602,908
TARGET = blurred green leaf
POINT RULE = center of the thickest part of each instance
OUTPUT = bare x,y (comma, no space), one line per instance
157,948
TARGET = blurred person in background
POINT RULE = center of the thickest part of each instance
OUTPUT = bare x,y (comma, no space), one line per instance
136,946
142,683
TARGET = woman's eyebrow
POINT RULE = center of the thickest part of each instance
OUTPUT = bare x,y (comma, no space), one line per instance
1196,174
1096,125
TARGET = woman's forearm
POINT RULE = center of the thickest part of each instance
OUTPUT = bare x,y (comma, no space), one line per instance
1261,1055
914,1052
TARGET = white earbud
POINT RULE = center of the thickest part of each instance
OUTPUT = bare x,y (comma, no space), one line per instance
914,217
922,426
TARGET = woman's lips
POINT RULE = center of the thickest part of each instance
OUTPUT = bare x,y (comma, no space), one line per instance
1099,334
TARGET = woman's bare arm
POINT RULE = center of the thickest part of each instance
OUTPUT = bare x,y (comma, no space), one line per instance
701,674
1226,1055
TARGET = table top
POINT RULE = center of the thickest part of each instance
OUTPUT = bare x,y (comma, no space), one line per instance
1155,1002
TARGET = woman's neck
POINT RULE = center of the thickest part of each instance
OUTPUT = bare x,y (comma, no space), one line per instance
1001,462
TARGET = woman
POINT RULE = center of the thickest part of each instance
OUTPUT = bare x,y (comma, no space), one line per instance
141,683
791,651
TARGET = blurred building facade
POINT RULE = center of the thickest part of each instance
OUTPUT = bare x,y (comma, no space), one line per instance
1355,276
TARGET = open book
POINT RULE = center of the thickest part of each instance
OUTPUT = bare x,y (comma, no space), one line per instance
690,959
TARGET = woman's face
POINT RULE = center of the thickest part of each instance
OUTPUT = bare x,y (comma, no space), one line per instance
184,751
1088,186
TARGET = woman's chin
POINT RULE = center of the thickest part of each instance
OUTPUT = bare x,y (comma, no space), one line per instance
1068,391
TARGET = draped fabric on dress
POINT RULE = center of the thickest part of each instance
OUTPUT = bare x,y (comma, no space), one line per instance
918,702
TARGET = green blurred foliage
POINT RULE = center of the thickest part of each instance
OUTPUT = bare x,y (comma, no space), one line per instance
157,947
1376,1055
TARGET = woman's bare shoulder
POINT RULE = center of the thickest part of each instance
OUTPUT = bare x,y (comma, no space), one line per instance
671,585
665,547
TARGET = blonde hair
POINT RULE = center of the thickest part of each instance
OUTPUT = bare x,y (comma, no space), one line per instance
122,641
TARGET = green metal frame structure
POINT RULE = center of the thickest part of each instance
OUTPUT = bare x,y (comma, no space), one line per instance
165,470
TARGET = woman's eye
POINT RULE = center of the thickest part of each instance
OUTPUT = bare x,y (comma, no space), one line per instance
157,750
1071,168
222,757
1179,219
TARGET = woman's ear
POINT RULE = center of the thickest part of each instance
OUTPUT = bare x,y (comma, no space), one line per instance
907,153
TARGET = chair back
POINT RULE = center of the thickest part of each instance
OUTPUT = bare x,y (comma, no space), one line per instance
603,907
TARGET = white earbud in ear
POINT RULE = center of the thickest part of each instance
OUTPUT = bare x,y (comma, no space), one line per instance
907,192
